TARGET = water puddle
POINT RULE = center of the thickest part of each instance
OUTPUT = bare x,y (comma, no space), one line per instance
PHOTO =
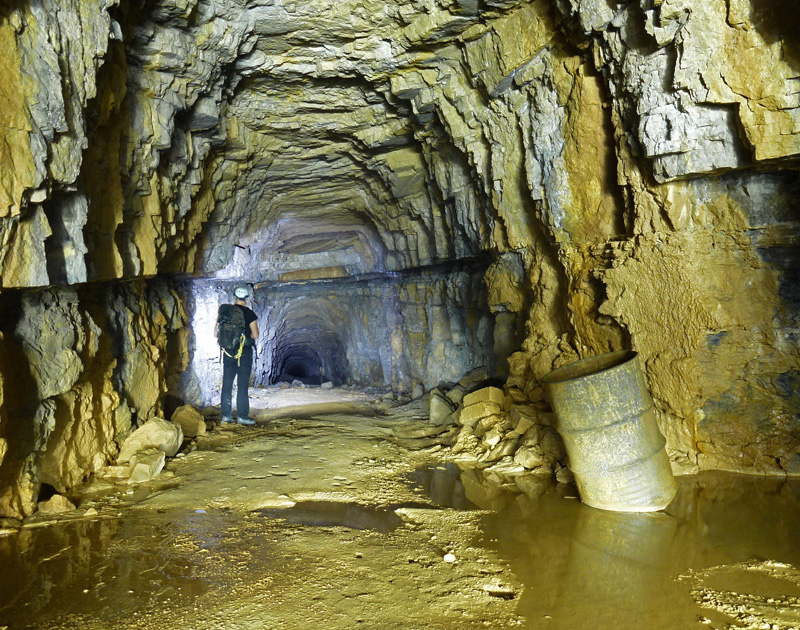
109,566
442,484
629,570
336,514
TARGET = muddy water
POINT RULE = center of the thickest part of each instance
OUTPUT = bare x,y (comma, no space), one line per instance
725,554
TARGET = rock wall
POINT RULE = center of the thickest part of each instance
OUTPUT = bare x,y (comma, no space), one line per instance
423,328
631,168
80,367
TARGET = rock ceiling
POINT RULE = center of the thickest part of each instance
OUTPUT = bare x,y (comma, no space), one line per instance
406,133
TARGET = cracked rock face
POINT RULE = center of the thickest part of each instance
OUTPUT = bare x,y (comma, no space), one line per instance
626,174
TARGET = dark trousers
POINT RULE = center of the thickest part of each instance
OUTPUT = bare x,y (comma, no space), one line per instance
231,369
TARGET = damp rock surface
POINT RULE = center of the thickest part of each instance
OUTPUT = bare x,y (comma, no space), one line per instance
414,190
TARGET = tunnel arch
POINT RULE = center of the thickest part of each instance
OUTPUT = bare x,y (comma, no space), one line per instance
307,339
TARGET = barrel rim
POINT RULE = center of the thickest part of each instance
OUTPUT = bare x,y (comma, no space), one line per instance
625,357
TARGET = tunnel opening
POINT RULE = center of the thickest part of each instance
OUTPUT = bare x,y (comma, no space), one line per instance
311,356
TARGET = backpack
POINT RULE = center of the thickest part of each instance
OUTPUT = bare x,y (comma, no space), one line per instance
231,330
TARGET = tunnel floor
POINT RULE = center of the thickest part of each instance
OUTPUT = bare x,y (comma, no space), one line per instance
344,513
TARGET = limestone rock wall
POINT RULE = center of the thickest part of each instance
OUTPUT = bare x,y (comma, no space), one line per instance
388,333
632,168
80,367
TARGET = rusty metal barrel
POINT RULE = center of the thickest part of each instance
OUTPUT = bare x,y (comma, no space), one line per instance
607,421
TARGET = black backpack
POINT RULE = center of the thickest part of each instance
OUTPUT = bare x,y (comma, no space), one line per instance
231,329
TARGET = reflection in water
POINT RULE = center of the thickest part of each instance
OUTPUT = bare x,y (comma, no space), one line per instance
443,485
634,570
723,538
73,567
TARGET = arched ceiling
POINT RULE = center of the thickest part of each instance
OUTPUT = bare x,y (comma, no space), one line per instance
315,162
156,136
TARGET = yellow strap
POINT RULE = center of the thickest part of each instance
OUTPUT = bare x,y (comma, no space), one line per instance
238,355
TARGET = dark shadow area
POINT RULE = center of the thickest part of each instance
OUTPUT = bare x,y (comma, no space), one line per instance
55,244
779,20
21,393
336,514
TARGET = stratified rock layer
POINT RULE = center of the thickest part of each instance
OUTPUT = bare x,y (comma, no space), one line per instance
630,170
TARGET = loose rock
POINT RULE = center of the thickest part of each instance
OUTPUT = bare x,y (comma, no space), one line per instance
157,433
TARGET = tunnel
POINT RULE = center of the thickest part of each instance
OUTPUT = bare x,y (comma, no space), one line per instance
425,201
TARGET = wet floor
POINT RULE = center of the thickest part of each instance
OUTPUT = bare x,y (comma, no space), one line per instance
375,536
717,542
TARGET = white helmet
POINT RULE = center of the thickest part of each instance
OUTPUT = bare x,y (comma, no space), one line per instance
242,292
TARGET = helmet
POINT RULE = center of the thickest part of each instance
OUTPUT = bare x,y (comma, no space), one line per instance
242,292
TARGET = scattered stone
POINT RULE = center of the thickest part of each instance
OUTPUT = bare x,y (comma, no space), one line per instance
57,504
210,412
156,433
506,467
475,412
116,472
466,443
327,385
298,383
190,420
456,394
498,590
91,512
504,449
485,394
564,475
530,457
492,437
440,408
418,391
487,423
449,557
520,420
148,464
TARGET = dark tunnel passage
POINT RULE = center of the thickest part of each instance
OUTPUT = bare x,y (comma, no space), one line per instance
307,342
310,357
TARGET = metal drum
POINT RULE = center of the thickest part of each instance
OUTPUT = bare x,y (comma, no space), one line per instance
608,424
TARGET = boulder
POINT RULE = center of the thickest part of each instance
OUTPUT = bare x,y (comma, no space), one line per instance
473,377
190,420
440,408
520,420
456,394
57,504
156,433
485,394
531,457
327,385
418,391
147,465
492,437
479,410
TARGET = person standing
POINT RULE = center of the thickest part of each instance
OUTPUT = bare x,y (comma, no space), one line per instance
237,366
